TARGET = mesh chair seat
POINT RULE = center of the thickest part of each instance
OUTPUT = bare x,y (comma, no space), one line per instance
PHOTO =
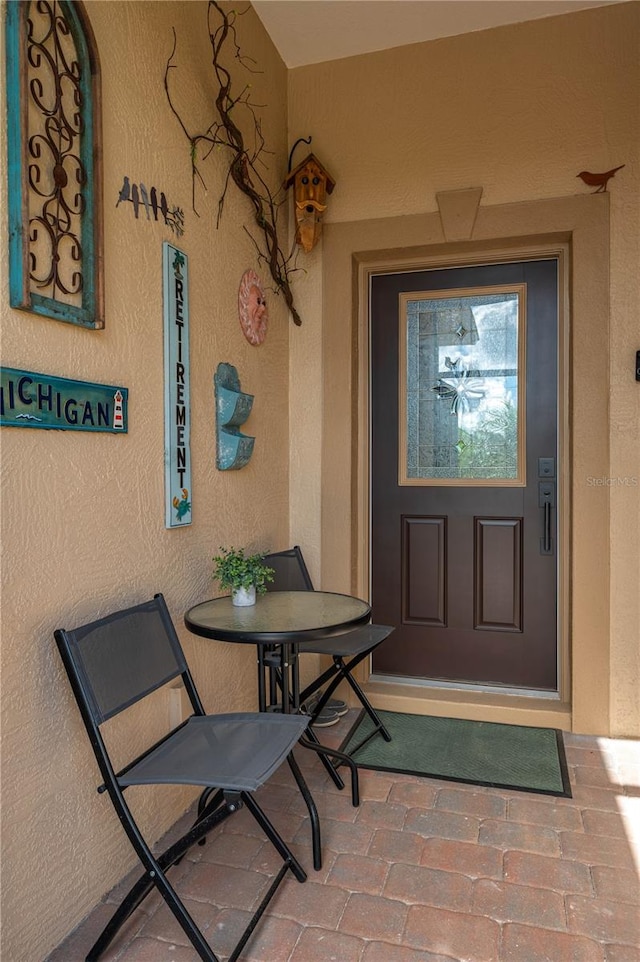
353,642
115,662
238,752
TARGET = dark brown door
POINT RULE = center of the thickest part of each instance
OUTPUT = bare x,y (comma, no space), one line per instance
463,473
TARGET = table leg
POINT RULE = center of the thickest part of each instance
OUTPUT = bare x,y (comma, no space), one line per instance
274,695
285,661
262,694
277,660
295,678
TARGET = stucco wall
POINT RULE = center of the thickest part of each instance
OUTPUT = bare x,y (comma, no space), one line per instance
83,514
518,111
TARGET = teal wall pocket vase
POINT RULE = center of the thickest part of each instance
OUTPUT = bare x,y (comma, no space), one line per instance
233,407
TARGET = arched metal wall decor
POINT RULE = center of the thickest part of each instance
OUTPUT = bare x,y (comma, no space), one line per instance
55,183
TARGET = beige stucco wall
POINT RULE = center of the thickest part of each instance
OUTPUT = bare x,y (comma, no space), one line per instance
517,111
83,514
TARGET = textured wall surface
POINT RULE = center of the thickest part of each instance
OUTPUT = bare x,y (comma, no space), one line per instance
83,514
518,111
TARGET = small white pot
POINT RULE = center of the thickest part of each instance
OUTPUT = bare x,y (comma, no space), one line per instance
242,597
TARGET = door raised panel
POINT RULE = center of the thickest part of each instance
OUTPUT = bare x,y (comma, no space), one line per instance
498,574
424,571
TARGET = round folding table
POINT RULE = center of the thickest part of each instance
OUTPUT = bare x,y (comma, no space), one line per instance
278,625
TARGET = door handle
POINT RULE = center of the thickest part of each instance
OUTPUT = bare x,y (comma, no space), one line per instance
546,500
546,540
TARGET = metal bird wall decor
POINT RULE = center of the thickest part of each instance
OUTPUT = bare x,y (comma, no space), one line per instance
599,181
152,204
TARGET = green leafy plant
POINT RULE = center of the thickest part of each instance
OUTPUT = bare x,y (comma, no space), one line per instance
233,569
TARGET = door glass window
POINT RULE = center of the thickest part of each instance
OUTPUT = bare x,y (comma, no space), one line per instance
461,389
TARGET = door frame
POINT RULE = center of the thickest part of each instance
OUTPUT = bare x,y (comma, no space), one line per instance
579,224
559,252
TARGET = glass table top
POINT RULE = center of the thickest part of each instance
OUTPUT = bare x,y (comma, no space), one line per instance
278,616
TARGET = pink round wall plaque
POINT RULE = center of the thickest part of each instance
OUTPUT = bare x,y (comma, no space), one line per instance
252,308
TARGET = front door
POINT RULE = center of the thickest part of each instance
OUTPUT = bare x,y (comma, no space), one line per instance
463,474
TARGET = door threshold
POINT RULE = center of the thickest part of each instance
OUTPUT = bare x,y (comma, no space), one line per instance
509,706
456,686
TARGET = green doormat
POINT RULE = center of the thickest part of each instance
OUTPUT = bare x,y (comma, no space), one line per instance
483,753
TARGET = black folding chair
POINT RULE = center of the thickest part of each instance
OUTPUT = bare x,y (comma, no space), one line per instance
115,662
346,650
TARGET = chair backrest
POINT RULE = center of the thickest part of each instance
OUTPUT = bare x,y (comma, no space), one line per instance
291,572
119,659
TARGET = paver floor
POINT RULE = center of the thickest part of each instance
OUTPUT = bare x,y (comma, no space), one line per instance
422,871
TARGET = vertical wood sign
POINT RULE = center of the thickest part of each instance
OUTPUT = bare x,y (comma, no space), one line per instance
177,418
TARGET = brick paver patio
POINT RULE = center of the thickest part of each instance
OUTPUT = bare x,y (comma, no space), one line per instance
422,871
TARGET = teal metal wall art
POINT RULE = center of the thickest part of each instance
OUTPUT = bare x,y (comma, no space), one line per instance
233,407
177,417
30,400
54,173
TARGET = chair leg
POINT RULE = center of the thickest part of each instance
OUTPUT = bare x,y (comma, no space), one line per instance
317,745
313,812
368,707
318,682
273,836
332,677
205,806
212,814
343,759
155,877
258,913
184,919
311,740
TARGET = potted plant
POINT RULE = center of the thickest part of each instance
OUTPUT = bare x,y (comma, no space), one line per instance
244,575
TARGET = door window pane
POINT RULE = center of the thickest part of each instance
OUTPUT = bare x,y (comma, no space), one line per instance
461,387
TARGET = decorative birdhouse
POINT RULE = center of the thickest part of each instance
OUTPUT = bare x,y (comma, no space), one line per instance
311,184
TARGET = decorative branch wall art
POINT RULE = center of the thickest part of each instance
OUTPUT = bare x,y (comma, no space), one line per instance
245,161
252,308
151,202
55,182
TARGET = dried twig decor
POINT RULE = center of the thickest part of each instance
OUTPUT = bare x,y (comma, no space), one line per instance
243,168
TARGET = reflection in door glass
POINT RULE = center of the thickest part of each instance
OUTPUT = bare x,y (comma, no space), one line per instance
461,396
